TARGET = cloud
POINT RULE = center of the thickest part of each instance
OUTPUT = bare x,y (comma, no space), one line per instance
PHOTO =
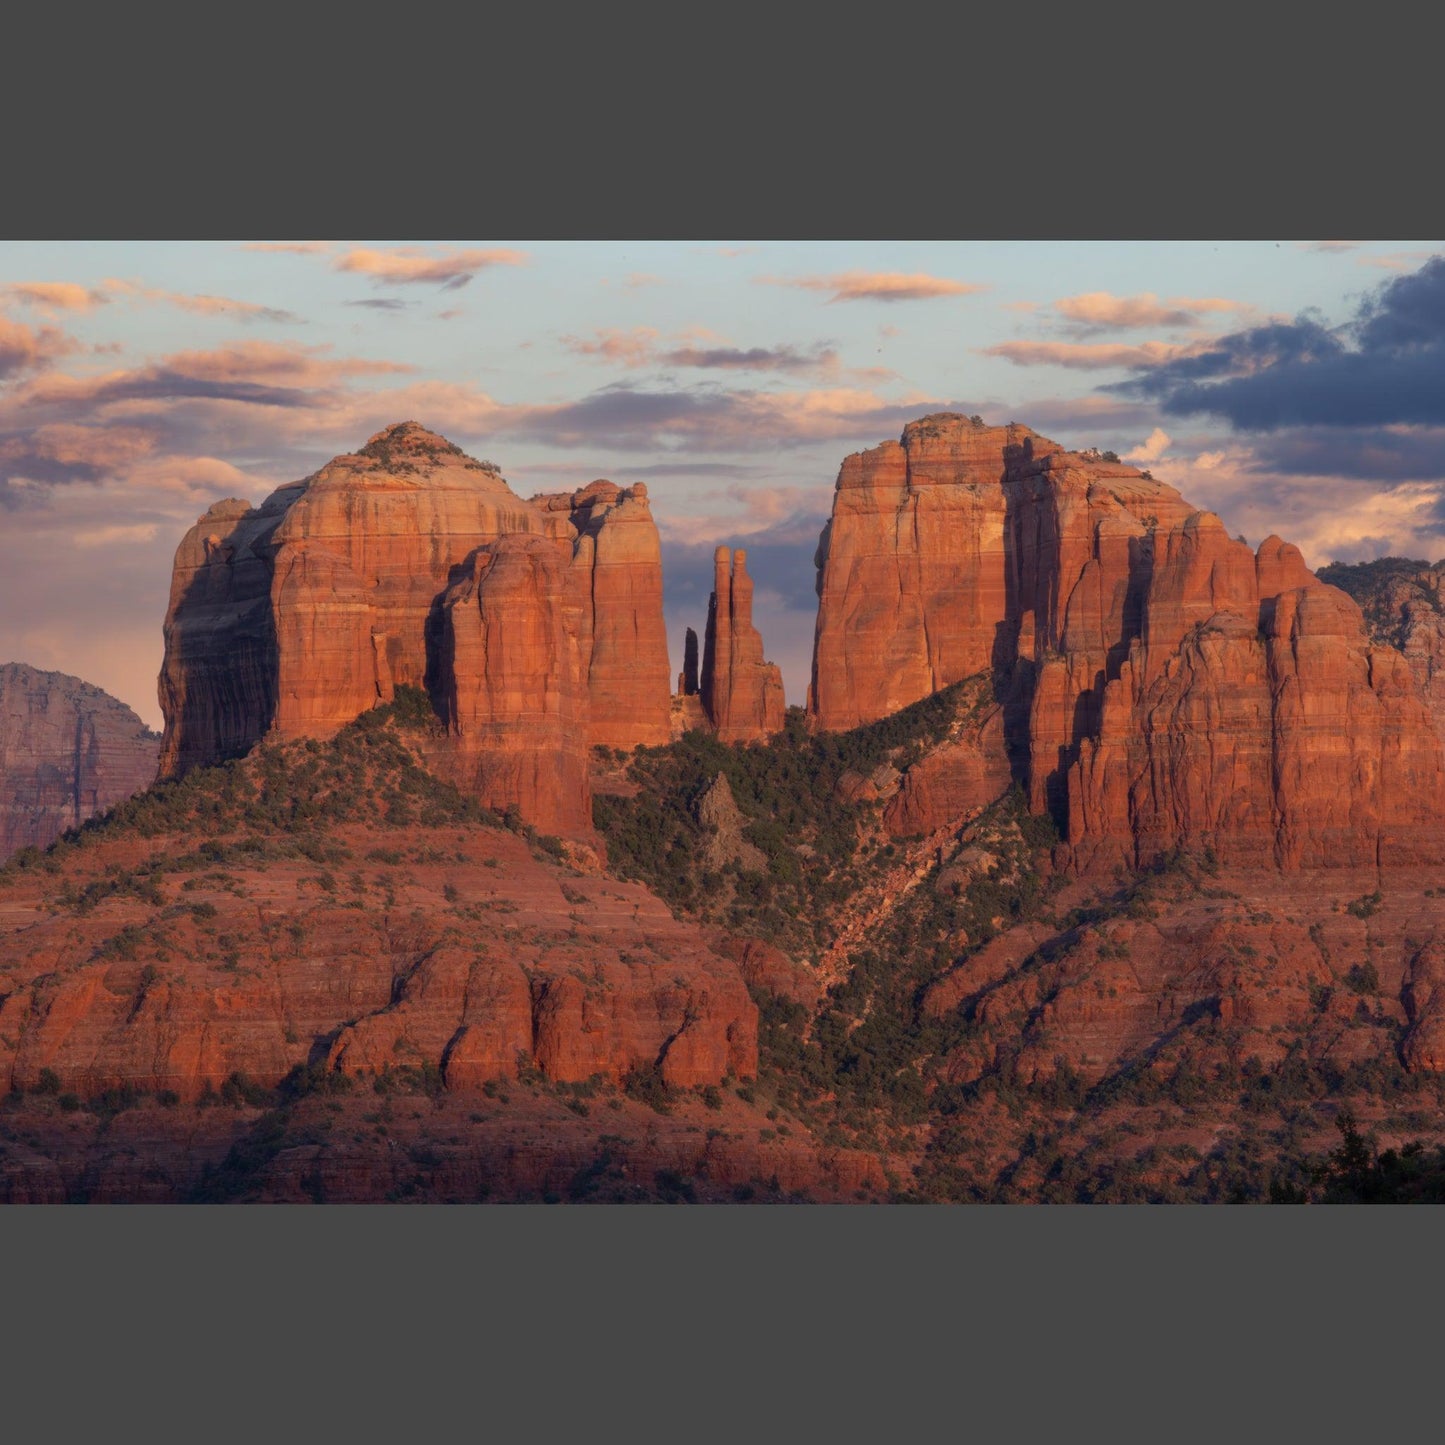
634,347
65,452
875,286
293,248
1330,518
1100,310
776,514
1328,247
641,346
119,532
56,295
158,424
1106,419
711,419
1151,449
22,348
201,305
1395,260
635,280
755,358
1382,368
1382,455
407,266
381,303
1088,356
68,296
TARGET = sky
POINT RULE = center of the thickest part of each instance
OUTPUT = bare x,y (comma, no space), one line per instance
1291,386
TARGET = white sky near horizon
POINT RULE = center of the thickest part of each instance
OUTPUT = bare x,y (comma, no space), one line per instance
141,381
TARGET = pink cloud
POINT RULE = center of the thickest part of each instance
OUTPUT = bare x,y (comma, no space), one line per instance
704,350
1328,518
875,286
1079,356
634,347
787,513
201,305
1396,260
1103,309
408,266
22,348
56,295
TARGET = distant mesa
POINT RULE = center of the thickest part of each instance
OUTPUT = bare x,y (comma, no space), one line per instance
67,751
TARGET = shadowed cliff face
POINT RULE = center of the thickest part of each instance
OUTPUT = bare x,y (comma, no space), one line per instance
1163,685
291,619
67,751
615,583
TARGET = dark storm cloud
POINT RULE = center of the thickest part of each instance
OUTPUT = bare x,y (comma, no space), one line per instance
1369,454
1385,367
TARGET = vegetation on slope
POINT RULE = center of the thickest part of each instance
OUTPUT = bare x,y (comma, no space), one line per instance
813,840
365,774
1376,586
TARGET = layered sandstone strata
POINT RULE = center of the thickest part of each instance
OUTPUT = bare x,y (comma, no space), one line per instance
742,693
495,961
1163,684
291,619
295,617
1404,607
617,585
513,684
67,751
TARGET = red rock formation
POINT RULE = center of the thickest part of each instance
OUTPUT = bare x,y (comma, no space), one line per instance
617,582
514,686
1404,607
687,678
291,619
1165,686
483,958
742,693
67,751
953,781
294,617
952,550
1423,997
1270,731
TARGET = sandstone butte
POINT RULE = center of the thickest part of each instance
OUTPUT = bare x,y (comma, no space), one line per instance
741,692
290,619
1161,685
67,751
